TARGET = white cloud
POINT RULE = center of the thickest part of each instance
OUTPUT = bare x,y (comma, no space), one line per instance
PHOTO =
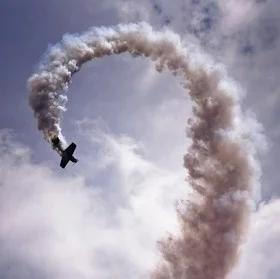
260,254
237,13
55,225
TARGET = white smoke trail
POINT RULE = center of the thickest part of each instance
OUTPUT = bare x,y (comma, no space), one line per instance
220,163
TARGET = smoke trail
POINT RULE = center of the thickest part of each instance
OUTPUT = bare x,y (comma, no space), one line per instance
220,162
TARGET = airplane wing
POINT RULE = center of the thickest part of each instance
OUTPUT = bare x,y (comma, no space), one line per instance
70,149
64,161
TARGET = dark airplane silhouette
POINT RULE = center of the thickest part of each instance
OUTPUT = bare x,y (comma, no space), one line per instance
66,154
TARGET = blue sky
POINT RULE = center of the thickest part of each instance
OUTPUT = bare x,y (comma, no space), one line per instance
114,205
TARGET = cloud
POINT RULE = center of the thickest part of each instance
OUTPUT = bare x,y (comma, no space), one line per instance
184,16
260,254
237,13
244,35
56,225
118,153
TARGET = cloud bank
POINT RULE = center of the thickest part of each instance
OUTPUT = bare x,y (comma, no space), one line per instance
60,226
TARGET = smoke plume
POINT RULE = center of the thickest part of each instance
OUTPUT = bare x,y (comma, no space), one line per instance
220,162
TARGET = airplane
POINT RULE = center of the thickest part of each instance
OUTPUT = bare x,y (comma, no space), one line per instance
66,154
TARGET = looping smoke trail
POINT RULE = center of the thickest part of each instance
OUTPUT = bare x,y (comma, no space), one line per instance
220,168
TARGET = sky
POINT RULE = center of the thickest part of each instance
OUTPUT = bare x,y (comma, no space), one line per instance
103,216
